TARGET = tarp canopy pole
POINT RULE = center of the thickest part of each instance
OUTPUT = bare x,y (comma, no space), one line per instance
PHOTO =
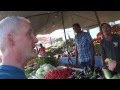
50,40
97,17
98,20
64,31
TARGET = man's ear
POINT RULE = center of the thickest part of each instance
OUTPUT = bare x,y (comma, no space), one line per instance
10,38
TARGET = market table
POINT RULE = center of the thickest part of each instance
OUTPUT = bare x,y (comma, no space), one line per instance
64,60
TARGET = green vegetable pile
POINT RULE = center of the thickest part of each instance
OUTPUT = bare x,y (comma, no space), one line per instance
42,70
109,75
29,71
48,60
87,73
42,65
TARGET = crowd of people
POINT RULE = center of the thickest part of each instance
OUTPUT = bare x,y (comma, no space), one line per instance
17,43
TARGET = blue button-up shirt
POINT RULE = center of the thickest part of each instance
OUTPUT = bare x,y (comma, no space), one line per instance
83,46
11,72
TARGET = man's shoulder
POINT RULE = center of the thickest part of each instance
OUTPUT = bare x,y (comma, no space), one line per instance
4,75
86,34
116,36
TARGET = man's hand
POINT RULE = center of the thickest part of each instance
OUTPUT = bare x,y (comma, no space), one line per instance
112,65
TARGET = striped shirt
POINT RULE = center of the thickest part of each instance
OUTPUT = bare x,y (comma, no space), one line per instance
83,46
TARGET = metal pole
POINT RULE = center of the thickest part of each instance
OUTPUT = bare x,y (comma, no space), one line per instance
72,19
64,30
98,20
50,40
72,23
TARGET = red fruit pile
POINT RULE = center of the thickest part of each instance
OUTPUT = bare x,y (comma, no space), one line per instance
60,73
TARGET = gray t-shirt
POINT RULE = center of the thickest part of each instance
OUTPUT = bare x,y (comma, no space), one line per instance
111,49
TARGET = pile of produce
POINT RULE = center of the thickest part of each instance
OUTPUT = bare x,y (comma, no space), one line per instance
59,73
87,73
97,73
37,66
48,60
110,75
32,62
28,70
43,69
47,68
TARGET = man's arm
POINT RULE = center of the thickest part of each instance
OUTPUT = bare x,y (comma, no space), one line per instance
76,54
114,66
117,68
92,61
103,54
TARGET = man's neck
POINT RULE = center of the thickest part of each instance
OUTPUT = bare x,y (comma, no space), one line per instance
79,32
108,38
13,61
13,64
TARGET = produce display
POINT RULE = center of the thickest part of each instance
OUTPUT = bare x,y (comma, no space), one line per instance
28,71
48,68
87,73
39,65
32,62
48,60
58,73
43,69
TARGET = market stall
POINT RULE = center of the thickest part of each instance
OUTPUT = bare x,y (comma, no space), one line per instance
49,68
59,68
72,61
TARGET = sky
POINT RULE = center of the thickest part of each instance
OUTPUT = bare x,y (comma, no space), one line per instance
94,32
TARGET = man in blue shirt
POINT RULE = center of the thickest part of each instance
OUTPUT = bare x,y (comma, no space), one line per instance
84,47
17,43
